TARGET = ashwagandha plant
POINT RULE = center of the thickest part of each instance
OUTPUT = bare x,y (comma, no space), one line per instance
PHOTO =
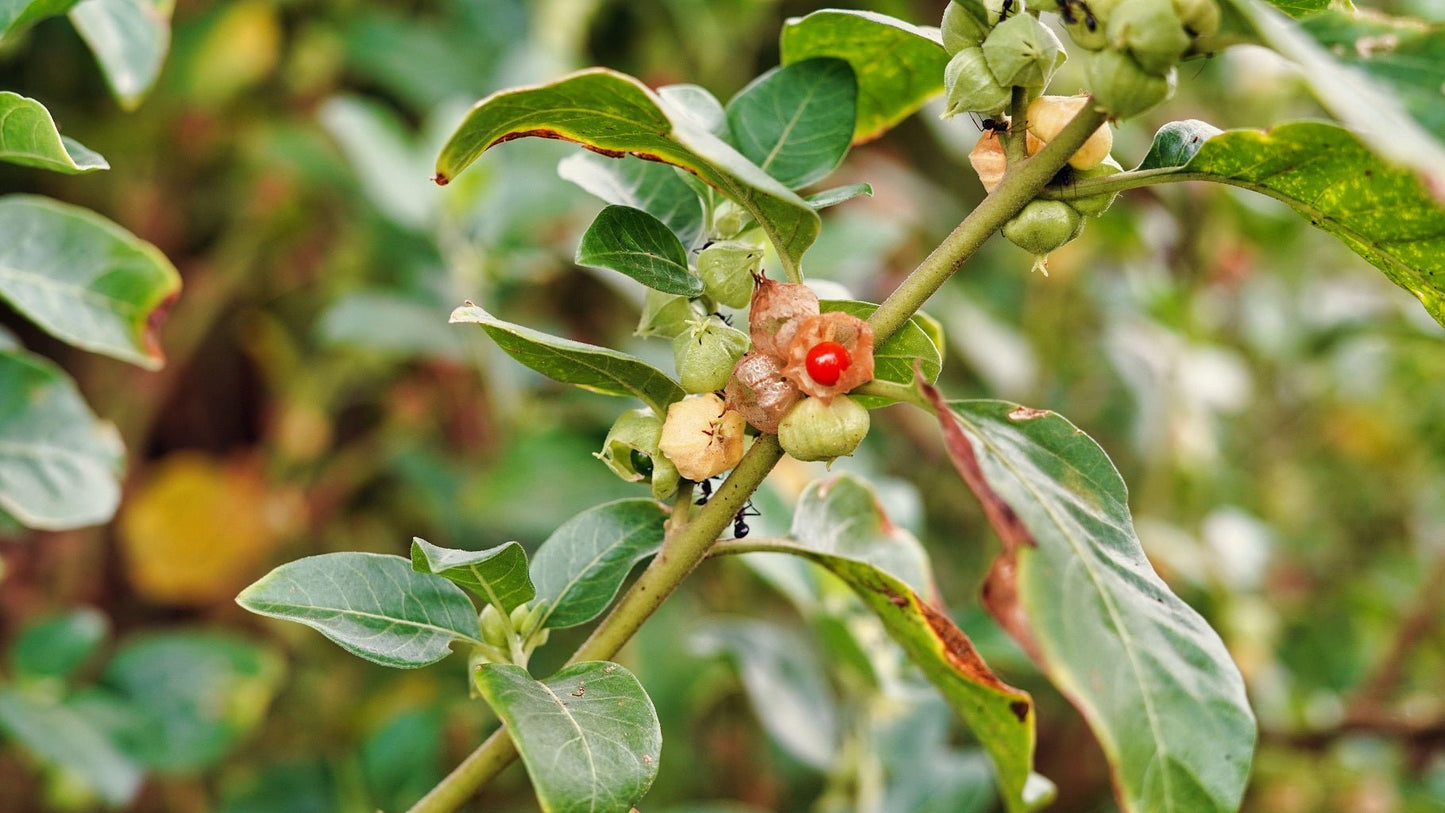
700,193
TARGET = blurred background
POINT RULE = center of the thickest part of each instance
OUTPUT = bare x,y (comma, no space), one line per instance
1272,401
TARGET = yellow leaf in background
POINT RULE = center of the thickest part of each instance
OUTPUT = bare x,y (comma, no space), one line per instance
199,529
240,49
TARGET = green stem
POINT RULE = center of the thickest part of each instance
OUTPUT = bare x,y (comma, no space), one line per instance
682,551
1016,147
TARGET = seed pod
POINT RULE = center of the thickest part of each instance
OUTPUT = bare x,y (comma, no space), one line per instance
705,354
814,430
988,160
727,270
1023,51
775,310
665,315
1122,88
1043,226
728,220
702,437
963,26
759,391
1047,117
1087,22
1200,17
853,334
631,452
971,87
1151,32
1095,205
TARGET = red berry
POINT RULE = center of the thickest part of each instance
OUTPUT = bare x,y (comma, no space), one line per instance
826,362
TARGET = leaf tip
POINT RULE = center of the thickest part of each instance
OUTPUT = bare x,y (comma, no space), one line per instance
440,179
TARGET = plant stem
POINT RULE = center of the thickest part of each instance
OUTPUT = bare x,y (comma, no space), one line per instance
1016,147
682,552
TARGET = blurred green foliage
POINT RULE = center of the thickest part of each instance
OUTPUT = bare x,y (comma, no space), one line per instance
1272,402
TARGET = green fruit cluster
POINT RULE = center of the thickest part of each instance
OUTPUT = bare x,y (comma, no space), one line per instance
994,46
1136,45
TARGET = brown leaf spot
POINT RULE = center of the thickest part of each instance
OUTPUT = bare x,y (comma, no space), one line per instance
1023,413
1020,708
440,179
959,650
154,320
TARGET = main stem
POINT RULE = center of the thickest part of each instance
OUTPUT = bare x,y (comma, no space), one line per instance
683,550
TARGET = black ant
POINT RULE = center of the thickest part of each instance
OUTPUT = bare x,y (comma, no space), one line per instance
740,528
990,125
1005,9
706,486
727,320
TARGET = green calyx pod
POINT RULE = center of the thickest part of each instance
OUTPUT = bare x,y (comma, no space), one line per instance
1151,32
971,86
494,629
631,452
1023,51
665,315
727,270
1087,22
1043,226
706,353
1094,205
728,220
963,26
1200,17
1122,88
813,430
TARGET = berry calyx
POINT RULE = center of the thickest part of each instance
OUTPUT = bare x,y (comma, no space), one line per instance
827,361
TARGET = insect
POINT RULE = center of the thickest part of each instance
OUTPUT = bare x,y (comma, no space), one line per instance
826,362
740,527
990,125
727,320
1005,9
706,487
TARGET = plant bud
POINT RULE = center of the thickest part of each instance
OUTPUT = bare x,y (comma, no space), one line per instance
988,160
1043,226
971,87
1200,17
1047,117
494,629
759,392
728,220
1151,32
1095,205
631,452
705,354
961,28
1122,88
1023,51
702,437
855,337
814,430
775,311
665,315
727,270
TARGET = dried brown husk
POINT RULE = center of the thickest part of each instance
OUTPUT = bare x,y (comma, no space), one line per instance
853,333
776,309
759,392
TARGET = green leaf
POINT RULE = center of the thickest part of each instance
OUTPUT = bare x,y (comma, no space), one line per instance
129,39
633,242
588,366
583,563
898,66
614,114
1300,8
1074,588
838,194
588,735
28,136
83,279
1402,55
55,647
653,187
372,605
894,359
1367,107
497,575
784,682
195,695
796,121
59,465
698,105
68,741
1382,213
839,524
16,14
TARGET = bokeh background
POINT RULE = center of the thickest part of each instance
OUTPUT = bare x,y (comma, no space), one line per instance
1272,401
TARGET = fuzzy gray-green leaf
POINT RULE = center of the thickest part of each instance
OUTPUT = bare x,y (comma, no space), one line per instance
497,575
583,563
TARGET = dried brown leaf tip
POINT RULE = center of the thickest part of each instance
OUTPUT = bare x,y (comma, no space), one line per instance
758,390
848,343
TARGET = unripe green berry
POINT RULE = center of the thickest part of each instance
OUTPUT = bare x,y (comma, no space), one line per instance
727,269
1095,205
1022,51
971,86
1122,88
1043,226
1151,32
631,452
705,354
813,430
